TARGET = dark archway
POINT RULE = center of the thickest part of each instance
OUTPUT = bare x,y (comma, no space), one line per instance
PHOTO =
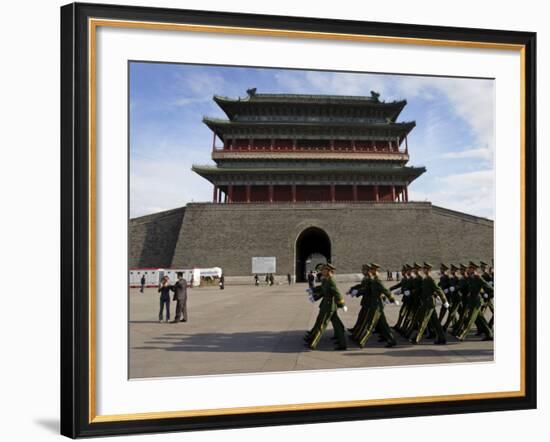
312,245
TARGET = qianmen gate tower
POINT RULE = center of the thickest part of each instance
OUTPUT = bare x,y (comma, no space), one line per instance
300,148
306,179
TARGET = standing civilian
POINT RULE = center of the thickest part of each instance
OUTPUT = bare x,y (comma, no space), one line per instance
164,290
142,283
180,296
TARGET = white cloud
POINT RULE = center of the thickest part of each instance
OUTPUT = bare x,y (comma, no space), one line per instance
482,153
163,183
469,192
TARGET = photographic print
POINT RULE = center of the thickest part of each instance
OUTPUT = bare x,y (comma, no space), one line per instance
255,206
292,220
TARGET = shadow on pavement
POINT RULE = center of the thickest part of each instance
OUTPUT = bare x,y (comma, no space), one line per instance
291,342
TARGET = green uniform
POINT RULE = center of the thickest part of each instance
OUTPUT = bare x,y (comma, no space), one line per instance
405,286
444,284
475,284
427,313
487,303
331,300
455,300
362,292
413,316
375,314
463,310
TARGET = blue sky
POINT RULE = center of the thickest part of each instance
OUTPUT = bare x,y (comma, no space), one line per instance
453,137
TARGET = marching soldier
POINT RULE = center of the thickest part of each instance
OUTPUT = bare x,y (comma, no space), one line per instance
492,274
375,315
404,287
331,301
487,300
444,284
454,298
428,315
413,317
484,273
475,284
464,292
361,290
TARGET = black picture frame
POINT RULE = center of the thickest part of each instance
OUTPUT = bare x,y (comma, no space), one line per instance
76,403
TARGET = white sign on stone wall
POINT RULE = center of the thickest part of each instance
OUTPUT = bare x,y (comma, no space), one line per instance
264,264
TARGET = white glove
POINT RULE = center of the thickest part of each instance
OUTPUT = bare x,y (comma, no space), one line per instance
398,292
354,292
446,305
309,291
446,291
345,308
407,292
397,302
311,298
485,295
452,289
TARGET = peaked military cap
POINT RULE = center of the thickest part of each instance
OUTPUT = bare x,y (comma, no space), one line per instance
483,264
427,265
473,264
404,268
443,267
416,266
462,266
374,266
453,267
365,266
329,266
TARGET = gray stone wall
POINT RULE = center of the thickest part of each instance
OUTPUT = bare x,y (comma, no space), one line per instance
229,235
153,238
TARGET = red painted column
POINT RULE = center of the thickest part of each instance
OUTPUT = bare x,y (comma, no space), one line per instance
215,195
250,143
332,192
294,193
377,195
353,145
248,193
230,194
294,144
393,193
331,144
270,193
406,194
355,192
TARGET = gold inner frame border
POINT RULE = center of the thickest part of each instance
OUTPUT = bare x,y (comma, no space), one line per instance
93,24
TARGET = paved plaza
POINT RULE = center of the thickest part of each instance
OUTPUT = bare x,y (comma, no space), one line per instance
245,329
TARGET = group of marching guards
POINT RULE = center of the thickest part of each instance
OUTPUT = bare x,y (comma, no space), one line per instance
465,292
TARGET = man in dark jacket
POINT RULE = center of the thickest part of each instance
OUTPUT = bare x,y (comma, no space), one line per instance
142,283
180,296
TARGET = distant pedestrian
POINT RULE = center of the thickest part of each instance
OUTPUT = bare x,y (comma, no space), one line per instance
271,279
289,278
142,283
267,278
222,282
164,290
180,295
256,280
